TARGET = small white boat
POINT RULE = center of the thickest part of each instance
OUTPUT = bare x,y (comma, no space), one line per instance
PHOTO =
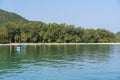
20,47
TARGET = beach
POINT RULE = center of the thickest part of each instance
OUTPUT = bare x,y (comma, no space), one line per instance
59,44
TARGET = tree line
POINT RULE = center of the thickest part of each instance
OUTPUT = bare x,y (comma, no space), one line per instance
39,32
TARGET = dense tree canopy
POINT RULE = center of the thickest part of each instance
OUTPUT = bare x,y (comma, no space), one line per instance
117,35
34,32
14,29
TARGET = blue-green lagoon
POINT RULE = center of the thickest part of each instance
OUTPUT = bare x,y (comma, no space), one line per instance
60,62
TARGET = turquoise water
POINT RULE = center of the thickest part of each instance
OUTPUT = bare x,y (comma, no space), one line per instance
83,62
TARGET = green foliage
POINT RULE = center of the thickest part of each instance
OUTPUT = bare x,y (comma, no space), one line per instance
105,35
117,35
50,33
17,29
10,17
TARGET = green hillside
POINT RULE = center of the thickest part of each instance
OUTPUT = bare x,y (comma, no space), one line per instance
6,16
17,29
117,35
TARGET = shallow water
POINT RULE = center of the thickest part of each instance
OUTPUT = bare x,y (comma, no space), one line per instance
83,62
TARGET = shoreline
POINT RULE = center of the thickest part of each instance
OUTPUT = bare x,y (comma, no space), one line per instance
59,44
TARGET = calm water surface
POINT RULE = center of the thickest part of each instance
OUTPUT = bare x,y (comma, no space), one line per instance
83,62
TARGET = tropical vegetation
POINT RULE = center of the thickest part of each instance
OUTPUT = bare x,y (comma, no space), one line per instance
14,29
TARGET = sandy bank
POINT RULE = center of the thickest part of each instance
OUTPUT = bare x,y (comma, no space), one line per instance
60,44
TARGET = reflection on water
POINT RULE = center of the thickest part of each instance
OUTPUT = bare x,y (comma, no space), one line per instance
60,62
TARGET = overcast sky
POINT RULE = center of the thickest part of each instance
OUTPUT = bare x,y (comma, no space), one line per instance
84,13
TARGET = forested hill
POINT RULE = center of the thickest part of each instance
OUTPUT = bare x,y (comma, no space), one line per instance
117,35
15,28
6,16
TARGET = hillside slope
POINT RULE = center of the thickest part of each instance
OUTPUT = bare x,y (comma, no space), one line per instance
6,16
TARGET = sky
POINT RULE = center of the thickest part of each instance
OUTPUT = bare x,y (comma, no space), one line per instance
81,13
